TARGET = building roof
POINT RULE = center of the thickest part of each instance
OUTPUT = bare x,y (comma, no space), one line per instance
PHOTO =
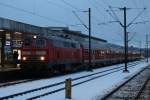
16,26
83,35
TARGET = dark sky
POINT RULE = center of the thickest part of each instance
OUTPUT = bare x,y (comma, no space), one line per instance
60,13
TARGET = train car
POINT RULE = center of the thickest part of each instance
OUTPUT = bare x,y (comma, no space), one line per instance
106,53
101,53
50,53
61,54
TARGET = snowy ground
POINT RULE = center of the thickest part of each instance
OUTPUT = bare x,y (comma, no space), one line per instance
95,89
91,90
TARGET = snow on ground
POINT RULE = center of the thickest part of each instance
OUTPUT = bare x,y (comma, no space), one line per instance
88,91
44,82
95,89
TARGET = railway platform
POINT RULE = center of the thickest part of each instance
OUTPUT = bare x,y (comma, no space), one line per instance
8,72
8,67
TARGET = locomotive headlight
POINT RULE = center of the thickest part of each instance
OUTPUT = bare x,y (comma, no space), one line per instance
42,58
34,36
24,58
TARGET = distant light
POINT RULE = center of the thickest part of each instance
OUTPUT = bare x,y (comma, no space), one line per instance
34,36
8,43
18,33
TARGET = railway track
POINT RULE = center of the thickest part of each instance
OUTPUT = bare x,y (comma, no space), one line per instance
11,83
20,81
59,86
135,88
15,82
144,93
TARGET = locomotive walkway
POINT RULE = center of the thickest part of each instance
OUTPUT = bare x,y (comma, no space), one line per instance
135,88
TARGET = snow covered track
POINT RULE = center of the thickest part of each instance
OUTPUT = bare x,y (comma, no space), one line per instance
15,82
132,88
59,86
84,81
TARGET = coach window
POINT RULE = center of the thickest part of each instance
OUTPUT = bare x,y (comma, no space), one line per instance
86,51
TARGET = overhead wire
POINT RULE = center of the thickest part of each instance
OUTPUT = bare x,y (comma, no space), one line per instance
146,27
70,5
74,9
58,5
105,2
74,12
32,13
95,5
98,10
115,16
136,17
110,14
134,3
132,37
80,20
144,22
77,10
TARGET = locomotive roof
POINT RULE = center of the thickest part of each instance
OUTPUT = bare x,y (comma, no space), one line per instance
54,38
94,45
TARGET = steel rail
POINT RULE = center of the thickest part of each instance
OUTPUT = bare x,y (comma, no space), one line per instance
142,88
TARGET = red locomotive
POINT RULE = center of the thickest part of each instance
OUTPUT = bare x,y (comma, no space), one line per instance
61,54
50,53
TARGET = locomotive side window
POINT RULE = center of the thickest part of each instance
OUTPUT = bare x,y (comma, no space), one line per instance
65,44
57,43
40,42
77,45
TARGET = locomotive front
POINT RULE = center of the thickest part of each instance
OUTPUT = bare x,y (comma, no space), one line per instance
35,53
